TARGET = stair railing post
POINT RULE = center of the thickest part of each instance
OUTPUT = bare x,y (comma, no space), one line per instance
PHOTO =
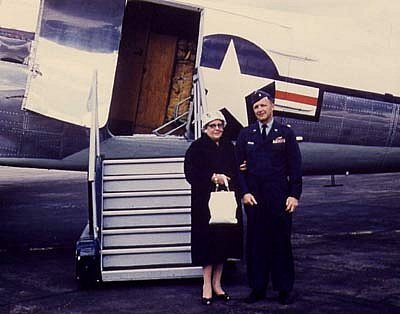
94,153
200,103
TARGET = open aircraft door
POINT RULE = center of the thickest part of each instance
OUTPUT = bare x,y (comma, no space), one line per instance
158,54
75,38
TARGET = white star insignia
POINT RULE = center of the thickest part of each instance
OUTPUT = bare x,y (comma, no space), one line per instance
228,87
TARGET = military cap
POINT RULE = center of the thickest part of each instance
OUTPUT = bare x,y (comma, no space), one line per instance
267,91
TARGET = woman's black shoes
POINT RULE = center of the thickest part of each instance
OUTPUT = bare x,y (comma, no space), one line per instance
216,297
222,297
206,301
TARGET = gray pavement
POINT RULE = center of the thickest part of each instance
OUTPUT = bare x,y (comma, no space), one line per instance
346,246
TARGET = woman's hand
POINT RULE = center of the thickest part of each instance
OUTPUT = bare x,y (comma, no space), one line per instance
220,178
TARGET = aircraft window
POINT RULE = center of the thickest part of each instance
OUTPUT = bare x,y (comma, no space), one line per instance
83,24
15,45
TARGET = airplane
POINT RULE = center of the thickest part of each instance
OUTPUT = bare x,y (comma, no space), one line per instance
153,66
337,76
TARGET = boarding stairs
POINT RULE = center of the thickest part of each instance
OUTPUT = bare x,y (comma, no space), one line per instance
145,230
139,209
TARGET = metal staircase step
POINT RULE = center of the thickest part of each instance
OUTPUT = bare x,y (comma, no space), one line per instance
152,273
154,257
147,199
143,166
146,218
136,237
149,182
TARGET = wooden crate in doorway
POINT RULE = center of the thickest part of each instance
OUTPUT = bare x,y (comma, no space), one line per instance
156,82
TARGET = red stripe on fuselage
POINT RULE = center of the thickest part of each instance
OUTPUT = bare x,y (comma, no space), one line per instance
308,100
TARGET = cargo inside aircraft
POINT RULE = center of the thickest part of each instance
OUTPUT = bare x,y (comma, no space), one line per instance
157,57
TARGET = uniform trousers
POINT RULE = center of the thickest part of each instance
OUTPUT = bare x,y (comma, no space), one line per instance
268,247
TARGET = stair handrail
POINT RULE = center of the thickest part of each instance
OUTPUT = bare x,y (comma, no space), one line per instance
178,105
177,118
94,155
157,131
198,104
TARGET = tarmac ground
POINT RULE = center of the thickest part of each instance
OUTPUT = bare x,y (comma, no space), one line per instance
346,244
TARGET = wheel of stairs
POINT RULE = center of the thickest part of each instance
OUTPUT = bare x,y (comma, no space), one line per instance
145,223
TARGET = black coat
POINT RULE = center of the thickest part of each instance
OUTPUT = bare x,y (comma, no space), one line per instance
211,244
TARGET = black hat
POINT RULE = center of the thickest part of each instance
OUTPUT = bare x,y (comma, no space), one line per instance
267,91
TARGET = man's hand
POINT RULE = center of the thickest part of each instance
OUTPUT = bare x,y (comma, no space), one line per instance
291,204
243,166
249,199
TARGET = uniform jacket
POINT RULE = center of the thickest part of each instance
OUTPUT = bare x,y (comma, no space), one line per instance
276,160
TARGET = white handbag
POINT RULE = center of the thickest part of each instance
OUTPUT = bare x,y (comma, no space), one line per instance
222,205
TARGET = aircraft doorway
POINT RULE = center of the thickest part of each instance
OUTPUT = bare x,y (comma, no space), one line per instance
156,60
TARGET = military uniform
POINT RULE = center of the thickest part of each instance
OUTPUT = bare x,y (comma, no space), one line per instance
273,174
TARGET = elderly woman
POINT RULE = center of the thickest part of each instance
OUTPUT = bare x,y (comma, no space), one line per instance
210,160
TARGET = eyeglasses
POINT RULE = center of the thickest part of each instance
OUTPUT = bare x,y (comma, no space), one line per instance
216,125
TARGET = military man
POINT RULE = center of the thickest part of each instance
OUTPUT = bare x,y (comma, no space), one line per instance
271,186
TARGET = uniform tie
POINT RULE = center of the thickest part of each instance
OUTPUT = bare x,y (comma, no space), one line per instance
264,131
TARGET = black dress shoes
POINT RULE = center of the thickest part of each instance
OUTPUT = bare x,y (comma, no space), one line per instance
285,297
255,296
